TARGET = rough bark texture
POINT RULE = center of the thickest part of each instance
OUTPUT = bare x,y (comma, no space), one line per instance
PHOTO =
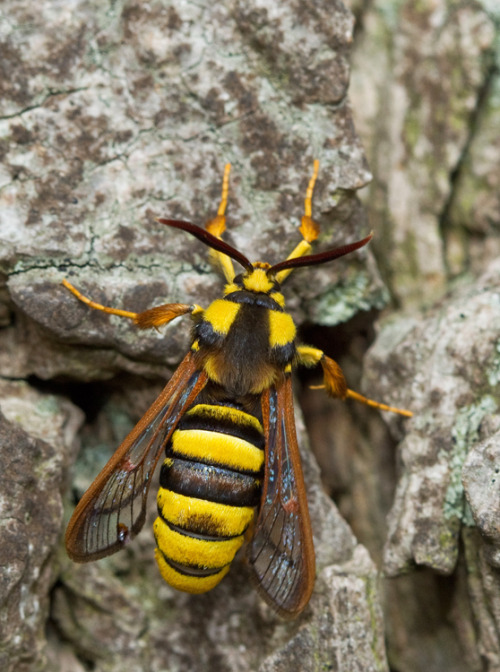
113,114
37,434
425,94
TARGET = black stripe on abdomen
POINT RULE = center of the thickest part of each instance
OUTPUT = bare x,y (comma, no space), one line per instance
210,482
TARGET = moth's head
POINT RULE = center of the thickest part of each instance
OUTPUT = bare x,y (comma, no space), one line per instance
260,276
256,279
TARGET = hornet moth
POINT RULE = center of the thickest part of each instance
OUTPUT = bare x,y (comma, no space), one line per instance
226,423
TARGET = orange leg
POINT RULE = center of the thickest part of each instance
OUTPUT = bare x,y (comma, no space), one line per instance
335,383
217,226
154,317
350,394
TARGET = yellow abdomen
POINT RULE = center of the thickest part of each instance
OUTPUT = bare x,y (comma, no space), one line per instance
209,487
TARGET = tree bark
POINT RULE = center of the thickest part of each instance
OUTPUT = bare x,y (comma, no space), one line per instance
115,114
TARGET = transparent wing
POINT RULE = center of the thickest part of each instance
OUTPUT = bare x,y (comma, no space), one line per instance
113,509
282,552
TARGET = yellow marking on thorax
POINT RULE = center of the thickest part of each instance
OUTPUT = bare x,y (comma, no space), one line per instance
258,281
218,448
189,584
210,368
189,550
221,315
281,328
223,412
230,288
279,298
198,515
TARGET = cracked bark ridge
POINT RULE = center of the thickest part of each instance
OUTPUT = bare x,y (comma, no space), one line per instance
481,483
425,93
482,545
114,117
451,357
37,433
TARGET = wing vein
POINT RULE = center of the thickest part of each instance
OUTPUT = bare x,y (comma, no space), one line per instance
113,510
282,552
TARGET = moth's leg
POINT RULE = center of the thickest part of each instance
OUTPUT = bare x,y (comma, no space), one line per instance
334,381
154,317
217,226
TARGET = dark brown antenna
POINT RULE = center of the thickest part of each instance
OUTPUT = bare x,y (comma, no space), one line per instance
208,239
321,258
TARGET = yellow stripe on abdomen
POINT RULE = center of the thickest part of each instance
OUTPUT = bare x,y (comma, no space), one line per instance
235,415
209,488
203,517
223,449
187,582
185,549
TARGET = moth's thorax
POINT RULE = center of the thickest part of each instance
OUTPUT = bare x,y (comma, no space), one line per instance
258,284
245,340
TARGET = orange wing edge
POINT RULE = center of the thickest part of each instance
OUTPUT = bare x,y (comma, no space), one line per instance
284,569
112,484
